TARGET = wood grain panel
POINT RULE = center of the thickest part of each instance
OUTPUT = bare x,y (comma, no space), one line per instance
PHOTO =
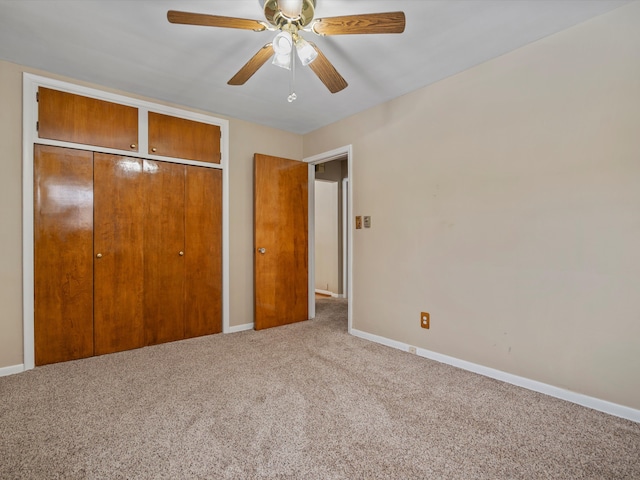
63,243
386,22
252,66
281,216
181,138
73,118
327,73
203,251
163,242
118,238
188,18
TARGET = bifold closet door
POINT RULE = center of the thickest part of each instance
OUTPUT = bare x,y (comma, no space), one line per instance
63,254
203,251
118,253
164,252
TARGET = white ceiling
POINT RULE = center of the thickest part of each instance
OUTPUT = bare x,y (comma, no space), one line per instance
130,45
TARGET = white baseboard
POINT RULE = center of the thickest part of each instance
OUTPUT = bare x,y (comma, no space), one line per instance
328,293
13,369
573,397
241,328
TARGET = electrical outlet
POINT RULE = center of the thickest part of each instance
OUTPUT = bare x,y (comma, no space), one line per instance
424,320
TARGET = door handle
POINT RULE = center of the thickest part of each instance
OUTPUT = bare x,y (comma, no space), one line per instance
262,250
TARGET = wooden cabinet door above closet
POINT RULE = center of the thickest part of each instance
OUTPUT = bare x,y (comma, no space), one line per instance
73,118
181,138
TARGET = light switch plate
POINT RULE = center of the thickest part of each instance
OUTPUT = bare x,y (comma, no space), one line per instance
367,222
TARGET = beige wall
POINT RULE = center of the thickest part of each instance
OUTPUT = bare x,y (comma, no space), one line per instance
327,241
335,171
506,202
247,139
11,215
244,140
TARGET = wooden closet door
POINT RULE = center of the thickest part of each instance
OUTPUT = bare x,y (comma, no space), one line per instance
63,249
164,252
118,250
203,251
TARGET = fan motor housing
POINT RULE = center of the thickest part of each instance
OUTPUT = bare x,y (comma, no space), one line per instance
275,17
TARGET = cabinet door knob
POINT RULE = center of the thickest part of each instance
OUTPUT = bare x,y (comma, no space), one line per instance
154,149
262,250
99,255
181,253
133,145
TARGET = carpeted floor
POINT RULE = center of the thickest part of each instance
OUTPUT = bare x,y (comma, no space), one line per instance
305,401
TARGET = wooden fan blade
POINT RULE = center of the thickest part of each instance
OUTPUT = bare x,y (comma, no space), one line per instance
389,22
187,18
252,66
327,73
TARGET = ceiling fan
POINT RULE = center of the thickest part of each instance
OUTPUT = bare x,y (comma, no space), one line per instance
290,18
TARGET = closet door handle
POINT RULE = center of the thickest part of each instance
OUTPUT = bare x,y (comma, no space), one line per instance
99,255
154,149
181,253
262,250
133,145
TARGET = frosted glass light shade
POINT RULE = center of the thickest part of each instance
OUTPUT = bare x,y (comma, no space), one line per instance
306,53
282,46
282,61
283,43
290,8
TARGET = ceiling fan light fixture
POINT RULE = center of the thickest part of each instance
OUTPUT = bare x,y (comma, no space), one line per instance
292,9
306,53
291,17
282,47
295,12
282,61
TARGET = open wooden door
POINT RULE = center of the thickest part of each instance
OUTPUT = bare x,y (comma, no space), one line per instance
280,241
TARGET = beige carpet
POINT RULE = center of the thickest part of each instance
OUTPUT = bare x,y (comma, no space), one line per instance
305,401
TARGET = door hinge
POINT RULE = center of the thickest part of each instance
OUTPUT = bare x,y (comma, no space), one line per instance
37,96
37,126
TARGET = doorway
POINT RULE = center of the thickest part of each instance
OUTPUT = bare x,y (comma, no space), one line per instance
332,170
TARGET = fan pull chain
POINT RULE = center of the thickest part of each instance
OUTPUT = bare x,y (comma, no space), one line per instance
292,81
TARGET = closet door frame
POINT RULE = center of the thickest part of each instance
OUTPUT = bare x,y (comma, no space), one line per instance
30,138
